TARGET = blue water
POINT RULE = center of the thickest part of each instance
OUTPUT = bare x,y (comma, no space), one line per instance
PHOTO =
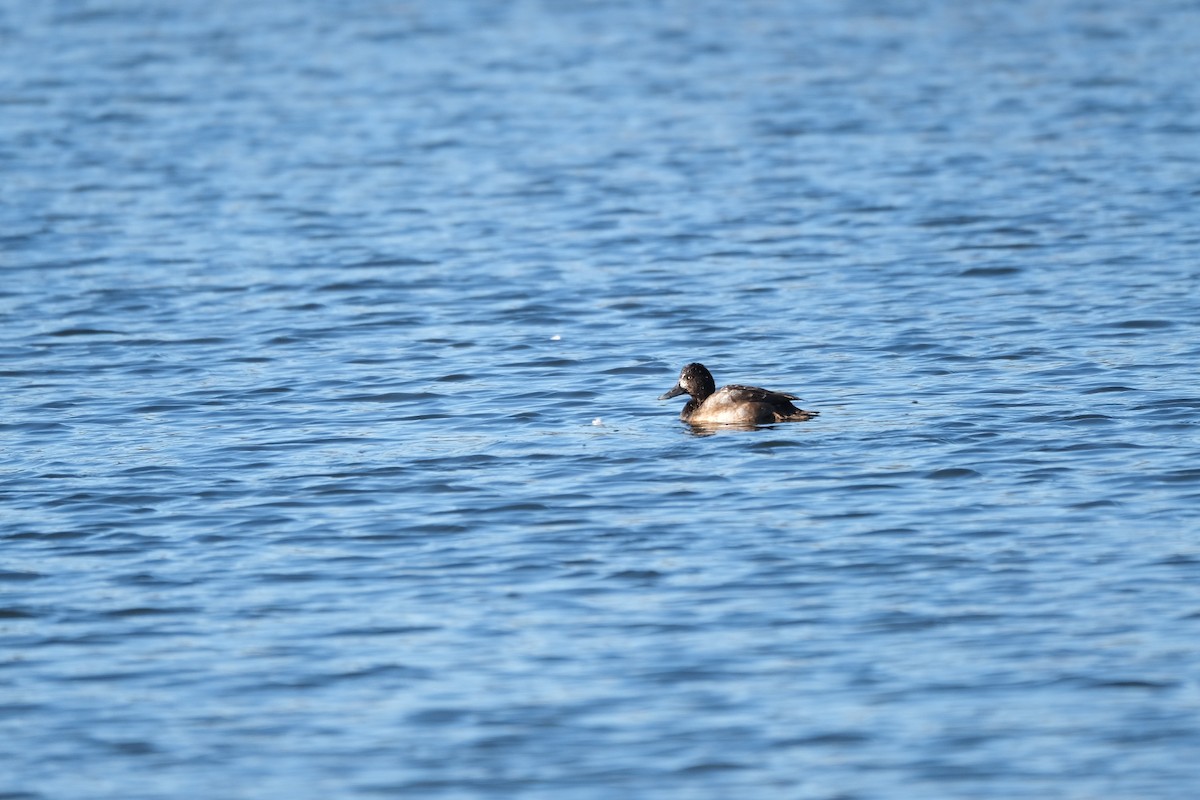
330,459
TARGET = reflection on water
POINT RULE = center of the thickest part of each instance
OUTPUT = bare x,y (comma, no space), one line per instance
710,428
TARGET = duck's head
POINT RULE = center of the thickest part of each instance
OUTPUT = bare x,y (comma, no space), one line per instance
694,379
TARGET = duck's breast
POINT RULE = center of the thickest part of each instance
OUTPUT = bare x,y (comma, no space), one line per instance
725,408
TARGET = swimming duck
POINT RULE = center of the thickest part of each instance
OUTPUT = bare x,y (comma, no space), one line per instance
733,404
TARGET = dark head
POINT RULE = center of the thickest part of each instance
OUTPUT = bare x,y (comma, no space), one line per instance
695,380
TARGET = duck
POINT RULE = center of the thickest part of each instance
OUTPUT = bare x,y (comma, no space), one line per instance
733,404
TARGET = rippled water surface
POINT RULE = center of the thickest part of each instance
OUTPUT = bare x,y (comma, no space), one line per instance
330,459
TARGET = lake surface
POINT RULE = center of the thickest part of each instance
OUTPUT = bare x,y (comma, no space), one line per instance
330,459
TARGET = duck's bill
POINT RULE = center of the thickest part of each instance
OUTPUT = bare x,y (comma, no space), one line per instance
675,392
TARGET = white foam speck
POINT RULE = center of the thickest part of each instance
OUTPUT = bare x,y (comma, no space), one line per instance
597,421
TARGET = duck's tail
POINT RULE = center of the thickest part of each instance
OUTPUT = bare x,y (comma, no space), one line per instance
799,415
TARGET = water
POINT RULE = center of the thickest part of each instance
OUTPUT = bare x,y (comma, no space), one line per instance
330,460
